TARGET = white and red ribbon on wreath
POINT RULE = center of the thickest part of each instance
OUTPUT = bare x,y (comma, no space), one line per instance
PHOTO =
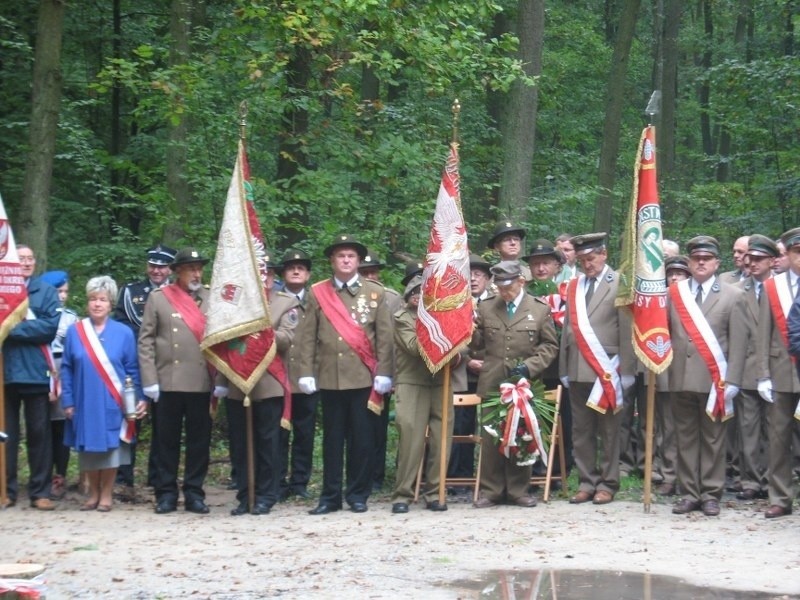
517,397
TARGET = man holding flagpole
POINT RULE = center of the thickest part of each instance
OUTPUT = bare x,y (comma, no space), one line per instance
345,349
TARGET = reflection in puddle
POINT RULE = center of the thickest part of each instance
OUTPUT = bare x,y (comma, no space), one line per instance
574,584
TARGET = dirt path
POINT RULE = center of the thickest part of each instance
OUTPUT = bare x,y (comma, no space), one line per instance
134,553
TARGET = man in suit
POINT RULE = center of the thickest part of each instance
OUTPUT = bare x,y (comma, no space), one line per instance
345,349
597,364
176,376
700,312
778,383
751,418
517,334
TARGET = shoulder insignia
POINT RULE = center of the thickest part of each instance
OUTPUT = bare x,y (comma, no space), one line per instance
715,287
292,316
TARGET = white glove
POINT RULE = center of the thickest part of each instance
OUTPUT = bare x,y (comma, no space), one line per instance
730,392
565,381
220,391
627,381
152,392
765,390
382,384
308,385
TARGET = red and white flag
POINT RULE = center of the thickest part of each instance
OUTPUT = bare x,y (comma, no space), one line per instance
643,285
239,339
13,292
444,316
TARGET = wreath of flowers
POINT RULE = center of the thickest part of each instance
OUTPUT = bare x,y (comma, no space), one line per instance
520,420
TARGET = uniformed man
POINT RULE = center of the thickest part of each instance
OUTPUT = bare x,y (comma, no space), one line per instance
700,312
519,338
412,268
345,349
596,363
295,270
129,309
268,397
740,271
176,376
507,242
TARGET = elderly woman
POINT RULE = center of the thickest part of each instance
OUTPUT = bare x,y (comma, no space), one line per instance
98,355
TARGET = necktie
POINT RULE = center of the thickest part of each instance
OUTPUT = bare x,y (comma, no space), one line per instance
510,309
758,292
796,287
698,297
589,289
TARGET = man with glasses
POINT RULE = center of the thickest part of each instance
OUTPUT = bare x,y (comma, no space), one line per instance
507,242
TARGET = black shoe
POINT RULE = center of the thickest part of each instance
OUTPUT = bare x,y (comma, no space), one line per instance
261,508
239,510
196,506
166,506
324,509
302,493
283,494
399,508
436,506
358,507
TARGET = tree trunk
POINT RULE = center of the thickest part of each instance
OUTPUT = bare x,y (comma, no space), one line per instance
704,92
177,182
33,221
669,89
615,96
519,114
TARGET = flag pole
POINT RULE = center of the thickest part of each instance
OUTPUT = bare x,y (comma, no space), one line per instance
3,479
446,395
248,405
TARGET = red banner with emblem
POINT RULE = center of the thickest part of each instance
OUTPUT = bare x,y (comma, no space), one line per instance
643,285
13,291
444,316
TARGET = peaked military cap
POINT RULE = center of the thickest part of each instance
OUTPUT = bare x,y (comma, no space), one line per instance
371,260
478,262
761,245
791,238
414,283
412,269
678,262
160,255
542,247
349,241
506,271
503,228
271,258
293,255
703,244
588,242
187,256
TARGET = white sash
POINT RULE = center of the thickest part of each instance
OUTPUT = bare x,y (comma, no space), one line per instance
784,292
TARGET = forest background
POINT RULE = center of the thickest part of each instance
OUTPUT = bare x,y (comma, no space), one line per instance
119,119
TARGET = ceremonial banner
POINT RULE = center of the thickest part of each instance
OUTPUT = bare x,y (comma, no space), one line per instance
444,323
643,285
239,339
13,292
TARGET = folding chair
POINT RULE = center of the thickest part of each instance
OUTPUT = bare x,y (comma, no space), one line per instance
556,445
474,438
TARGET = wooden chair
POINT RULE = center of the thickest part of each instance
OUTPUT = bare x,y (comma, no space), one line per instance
474,438
556,446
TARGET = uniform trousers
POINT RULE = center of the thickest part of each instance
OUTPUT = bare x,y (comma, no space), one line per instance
666,447
595,443
304,420
502,480
418,407
701,447
780,426
173,408
266,425
751,421
347,423
38,439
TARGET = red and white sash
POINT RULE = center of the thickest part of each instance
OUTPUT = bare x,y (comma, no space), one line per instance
335,311
607,389
108,375
699,331
779,295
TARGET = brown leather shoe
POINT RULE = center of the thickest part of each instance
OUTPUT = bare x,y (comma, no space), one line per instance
603,497
666,489
775,511
581,497
43,504
526,501
483,503
711,508
685,506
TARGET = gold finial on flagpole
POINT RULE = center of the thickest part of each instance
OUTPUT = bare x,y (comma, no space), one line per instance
456,111
243,120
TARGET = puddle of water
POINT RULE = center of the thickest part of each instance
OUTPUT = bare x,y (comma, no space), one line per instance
575,584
